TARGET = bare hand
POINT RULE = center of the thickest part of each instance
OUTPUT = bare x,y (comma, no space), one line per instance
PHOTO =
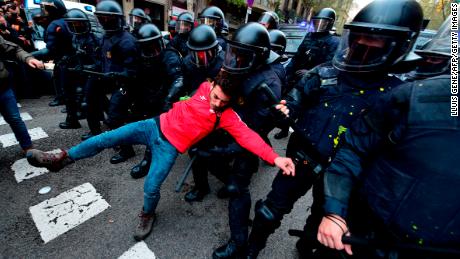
283,108
330,233
35,63
301,72
285,164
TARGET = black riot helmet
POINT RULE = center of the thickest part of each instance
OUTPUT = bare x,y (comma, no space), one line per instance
110,15
184,23
270,20
203,45
278,41
248,49
77,22
324,20
214,17
53,9
436,54
137,17
379,37
150,41
172,25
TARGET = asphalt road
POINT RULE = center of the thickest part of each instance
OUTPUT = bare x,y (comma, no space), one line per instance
182,230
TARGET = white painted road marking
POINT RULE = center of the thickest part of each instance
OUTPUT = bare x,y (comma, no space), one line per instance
23,170
69,209
139,251
10,140
24,116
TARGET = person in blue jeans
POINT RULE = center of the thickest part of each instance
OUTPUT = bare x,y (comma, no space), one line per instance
168,135
8,105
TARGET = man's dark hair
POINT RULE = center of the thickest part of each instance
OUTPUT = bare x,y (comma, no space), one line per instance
228,83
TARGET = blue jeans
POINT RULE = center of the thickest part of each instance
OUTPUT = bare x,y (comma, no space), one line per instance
10,112
142,132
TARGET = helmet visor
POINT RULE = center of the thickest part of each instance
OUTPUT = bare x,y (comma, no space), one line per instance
321,24
78,26
151,48
209,21
109,22
203,58
363,51
238,59
135,21
268,21
47,9
183,27
433,64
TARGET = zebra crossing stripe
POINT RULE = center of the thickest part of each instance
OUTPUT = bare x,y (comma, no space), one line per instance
139,251
23,170
55,216
10,140
24,116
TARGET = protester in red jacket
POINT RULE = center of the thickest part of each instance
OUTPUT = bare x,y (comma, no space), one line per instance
173,132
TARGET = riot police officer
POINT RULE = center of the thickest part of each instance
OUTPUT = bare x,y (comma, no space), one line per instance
118,59
406,194
58,43
85,43
269,20
317,47
152,97
137,18
214,17
184,24
436,56
171,30
254,67
278,41
203,63
327,100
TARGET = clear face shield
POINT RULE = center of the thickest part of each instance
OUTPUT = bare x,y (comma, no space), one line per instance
363,51
47,9
110,23
203,58
183,27
213,22
135,21
238,59
151,48
78,27
321,24
436,53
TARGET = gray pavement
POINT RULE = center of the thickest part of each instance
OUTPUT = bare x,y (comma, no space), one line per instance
182,230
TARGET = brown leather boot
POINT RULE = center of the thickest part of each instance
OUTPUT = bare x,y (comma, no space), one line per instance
145,225
52,161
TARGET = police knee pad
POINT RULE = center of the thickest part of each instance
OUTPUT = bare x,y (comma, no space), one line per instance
266,216
233,189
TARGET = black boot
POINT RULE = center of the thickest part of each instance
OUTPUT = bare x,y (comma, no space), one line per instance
142,169
196,194
229,250
70,122
282,134
125,153
56,102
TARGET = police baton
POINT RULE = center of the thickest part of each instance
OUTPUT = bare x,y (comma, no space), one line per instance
373,243
185,174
